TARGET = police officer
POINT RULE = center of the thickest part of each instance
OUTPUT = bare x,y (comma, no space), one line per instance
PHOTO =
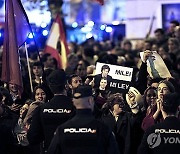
48,116
83,133
164,137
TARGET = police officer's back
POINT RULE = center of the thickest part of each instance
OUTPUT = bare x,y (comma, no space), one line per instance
47,117
83,133
164,137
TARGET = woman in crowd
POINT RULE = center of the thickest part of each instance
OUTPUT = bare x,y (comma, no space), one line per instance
24,122
153,114
40,97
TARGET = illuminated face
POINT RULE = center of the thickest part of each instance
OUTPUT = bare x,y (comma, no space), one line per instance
117,109
37,70
151,97
76,81
103,84
40,95
13,88
162,90
105,72
24,108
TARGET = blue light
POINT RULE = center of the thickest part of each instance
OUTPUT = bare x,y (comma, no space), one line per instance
43,25
45,32
86,29
74,24
0,34
30,35
103,27
108,29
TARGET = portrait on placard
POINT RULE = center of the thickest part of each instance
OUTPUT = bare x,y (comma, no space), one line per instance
103,78
112,77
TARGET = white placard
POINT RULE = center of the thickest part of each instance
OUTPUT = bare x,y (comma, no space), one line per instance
116,72
159,65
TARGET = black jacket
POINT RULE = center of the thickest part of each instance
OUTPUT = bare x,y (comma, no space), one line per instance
83,134
165,140
48,117
7,138
121,129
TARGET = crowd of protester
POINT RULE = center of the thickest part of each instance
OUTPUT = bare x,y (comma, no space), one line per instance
28,122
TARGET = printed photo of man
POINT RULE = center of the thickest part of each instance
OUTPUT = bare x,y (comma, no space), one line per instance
103,84
105,69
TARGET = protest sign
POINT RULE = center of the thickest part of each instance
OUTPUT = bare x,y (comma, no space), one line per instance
156,66
118,77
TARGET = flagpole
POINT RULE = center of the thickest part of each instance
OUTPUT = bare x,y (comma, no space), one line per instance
29,69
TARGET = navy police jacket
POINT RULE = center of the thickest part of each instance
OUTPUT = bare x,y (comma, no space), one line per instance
162,138
83,134
48,117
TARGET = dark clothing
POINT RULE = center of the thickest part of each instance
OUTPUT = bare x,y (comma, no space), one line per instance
136,130
7,142
48,117
7,139
141,83
121,129
167,132
83,134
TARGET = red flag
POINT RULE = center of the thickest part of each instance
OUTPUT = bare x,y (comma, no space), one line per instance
15,33
57,34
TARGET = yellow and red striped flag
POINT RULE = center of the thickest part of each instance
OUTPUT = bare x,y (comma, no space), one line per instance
57,33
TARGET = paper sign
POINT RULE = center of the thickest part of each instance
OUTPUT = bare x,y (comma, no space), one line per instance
156,66
116,78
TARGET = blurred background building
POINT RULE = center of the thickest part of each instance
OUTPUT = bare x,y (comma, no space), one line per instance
114,20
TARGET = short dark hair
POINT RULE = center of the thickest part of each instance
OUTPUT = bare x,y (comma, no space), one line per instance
103,78
57,80
170,103
105,67
160,30
45,57
37,63
175,22
71,77
8,99
127,42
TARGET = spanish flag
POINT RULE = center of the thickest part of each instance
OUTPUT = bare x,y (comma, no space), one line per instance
56,35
